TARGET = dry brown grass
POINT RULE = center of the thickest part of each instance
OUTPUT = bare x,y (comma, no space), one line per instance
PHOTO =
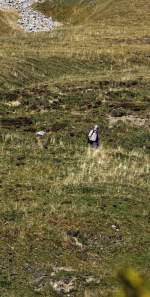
8,22
106,165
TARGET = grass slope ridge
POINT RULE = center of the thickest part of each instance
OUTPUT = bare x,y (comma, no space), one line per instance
8,22
77,11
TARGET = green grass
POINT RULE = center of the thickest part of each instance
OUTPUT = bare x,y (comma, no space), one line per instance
64,82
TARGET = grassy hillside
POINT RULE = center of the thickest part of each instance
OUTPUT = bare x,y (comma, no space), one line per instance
67,213
8,22
79,11
74,11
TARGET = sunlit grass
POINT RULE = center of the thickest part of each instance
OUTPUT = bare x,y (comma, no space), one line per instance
111,165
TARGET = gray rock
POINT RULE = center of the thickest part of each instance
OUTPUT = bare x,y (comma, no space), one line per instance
64,286
40,133
92,280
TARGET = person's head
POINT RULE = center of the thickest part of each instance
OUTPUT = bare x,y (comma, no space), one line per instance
96,128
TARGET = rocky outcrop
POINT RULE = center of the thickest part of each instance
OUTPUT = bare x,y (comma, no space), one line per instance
29,20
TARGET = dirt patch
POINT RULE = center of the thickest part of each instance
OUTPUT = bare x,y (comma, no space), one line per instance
133,106
131,119
101,84
17,122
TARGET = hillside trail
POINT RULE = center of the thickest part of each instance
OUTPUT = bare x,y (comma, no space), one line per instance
29,20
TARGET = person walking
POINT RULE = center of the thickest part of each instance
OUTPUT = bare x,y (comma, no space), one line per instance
93,137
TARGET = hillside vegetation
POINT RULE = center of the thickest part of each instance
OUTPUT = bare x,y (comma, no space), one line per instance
8,22
79,11
69,215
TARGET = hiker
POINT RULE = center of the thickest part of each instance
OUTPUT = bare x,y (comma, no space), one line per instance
93,137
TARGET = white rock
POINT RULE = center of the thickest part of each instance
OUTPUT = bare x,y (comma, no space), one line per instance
40,133
115,227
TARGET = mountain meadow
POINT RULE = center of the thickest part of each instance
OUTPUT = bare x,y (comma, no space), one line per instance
71,218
